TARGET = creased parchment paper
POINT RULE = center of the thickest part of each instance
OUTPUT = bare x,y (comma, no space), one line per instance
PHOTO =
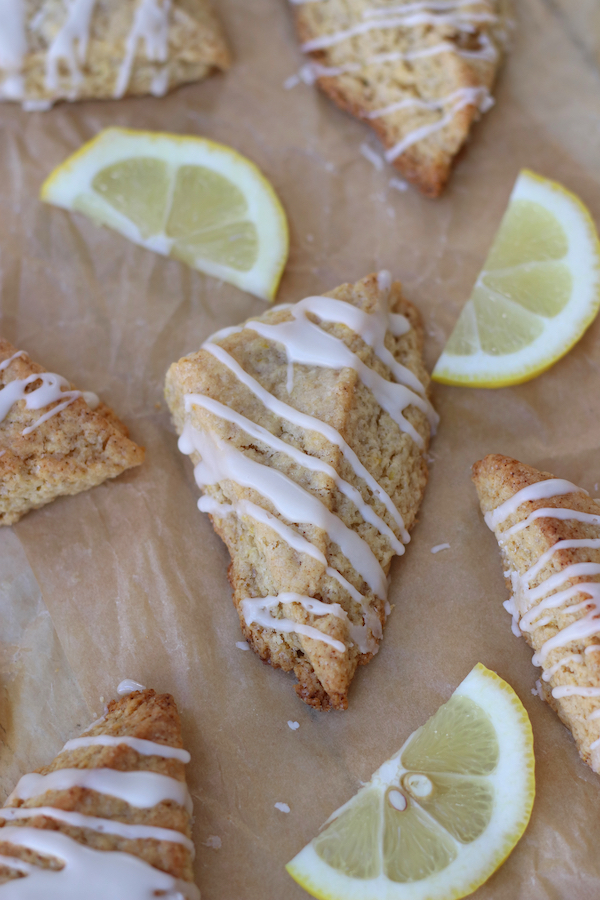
128,580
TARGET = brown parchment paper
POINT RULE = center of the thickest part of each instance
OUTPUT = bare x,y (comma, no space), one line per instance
128,580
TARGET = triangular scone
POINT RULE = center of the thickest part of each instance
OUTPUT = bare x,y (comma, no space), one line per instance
66,443
103,49
419,73
549,535
113,806
310,482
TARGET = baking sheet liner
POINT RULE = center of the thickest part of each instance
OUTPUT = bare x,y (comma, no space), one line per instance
129,580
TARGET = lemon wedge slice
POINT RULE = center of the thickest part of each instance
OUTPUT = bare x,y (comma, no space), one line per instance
442,814
537,293
185,197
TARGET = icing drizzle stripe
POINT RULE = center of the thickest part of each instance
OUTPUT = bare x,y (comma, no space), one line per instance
295,417
139,789
95,874
146,748
95,823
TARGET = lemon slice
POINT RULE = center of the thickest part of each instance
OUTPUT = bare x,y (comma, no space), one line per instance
186,197
442,814
536,294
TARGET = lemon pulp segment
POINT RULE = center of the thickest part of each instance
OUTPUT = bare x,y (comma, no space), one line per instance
189,198
538,291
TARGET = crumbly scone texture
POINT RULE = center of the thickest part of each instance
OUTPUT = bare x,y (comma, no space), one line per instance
142,714
196,48
497,478
372,70
72,451
262,563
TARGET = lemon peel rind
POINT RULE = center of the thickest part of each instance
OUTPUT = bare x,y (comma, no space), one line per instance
477,370
324,883
64,185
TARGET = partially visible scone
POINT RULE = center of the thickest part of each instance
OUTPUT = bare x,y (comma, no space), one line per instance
103,49
308,427
112,806
54,440
419,73
548,530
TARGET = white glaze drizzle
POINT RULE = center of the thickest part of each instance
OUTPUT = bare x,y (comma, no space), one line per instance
575,690
530,603
92,400
143,747
95,823
256,610
160,82
372,328
307,344
588,543
397,323
140,789
304,459
311,71
384,283
586,626
295,417
551,513
577,570
53,387
477,96
439,6
127,686
220,461
297,542
6,363
150,25
13,47
70,43
552,670
364,635
541,490
553,601
95,874
425,131
378,162
14,863
461,23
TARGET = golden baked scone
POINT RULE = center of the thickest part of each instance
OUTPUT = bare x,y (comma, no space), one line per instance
308,428
54,440
548,530
110,816
52,50
419,73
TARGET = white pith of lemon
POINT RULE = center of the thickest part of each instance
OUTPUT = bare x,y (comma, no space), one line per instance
538,291
441,815
185,197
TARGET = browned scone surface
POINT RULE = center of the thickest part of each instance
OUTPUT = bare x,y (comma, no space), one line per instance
497,479
196,47
374,69
263,564
142,714
76,449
